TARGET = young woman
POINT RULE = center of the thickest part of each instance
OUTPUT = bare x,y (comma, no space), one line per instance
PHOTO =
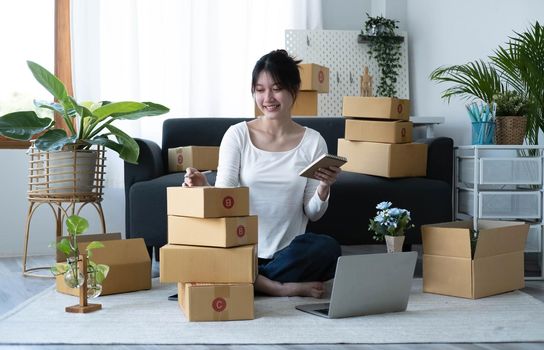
266,155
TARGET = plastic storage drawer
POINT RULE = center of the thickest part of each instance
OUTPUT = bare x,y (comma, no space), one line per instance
502,204
505,171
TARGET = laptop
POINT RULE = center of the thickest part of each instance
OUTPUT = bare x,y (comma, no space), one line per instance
368,284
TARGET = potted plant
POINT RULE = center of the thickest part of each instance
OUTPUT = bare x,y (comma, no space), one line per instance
73,276
88,123
510,118
70,164
390,224
384,46
518,66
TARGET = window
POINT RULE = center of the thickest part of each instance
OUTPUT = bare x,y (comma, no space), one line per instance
27,28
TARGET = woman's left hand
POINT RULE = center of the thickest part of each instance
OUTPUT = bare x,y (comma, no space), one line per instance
326,177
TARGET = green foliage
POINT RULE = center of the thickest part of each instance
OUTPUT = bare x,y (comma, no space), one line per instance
510,103
514,66
473,80
384,47
88,123
76,225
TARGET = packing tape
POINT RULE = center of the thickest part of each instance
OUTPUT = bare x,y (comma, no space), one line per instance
221,298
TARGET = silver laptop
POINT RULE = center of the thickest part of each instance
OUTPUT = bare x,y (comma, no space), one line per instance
368,284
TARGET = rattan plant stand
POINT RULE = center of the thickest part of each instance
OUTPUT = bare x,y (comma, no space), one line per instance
66,181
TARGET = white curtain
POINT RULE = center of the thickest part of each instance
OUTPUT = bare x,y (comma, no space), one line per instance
193,56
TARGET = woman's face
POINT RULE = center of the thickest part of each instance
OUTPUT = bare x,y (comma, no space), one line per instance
271,99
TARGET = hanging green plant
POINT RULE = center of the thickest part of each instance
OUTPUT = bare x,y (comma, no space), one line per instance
384,46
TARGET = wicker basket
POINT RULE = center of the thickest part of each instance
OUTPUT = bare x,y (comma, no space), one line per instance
70,175
510,130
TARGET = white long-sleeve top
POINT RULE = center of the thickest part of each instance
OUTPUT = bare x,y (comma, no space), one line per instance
283,200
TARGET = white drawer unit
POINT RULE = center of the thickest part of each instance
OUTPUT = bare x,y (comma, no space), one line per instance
502,171
502,204
503,182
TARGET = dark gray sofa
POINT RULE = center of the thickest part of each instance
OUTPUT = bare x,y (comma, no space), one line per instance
353,197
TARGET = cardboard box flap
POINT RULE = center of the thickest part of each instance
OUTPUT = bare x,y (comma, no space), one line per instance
454,242
120,252
84,240
500,237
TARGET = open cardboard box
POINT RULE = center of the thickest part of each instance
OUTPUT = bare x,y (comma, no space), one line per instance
129,262
216,302
496,267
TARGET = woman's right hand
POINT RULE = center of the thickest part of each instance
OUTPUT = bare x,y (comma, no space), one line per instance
194,177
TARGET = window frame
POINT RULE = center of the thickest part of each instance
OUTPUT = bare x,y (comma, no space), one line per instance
63,65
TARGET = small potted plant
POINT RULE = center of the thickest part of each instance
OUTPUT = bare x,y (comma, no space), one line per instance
390,224
510,118
73,276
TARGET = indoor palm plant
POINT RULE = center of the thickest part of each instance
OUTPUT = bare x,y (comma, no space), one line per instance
517,66
88,123
390,224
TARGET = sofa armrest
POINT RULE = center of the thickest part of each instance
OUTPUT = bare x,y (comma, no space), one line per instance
150,166
439,158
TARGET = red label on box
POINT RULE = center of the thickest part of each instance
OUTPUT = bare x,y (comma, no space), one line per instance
240,231
219,304
403,132
228,202
399,108
180,158
321,77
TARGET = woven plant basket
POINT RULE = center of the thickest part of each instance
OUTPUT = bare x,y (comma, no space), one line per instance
68,175
510,130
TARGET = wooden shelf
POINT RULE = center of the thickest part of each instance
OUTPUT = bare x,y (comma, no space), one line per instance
363,39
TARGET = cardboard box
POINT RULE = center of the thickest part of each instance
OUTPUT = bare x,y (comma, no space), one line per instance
184,263
313,77
216,302
87,238
305,104
213,232
376,107
497,265
207,201
384,159
129,262
199,157
378,131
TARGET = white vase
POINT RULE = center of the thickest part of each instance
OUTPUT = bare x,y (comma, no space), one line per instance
394,243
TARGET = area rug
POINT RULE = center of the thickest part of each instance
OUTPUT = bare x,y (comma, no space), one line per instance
147,317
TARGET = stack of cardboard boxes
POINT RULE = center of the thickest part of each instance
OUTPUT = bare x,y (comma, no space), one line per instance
211,252
378,138
314,79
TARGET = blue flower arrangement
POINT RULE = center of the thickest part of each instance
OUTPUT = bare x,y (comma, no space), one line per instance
389,221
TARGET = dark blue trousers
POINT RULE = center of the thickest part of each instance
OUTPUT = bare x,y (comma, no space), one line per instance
309,257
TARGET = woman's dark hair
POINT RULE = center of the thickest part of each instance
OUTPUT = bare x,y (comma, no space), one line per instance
282,68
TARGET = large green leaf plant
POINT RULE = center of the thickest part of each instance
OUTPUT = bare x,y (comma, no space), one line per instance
516,66
88,123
